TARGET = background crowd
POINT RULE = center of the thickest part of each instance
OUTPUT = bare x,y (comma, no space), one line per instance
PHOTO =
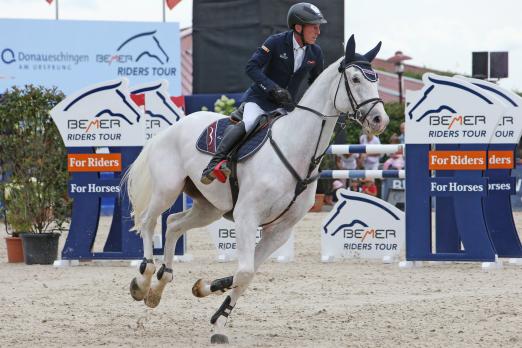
395,161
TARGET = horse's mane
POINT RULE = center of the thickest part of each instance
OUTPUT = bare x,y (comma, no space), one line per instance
324,79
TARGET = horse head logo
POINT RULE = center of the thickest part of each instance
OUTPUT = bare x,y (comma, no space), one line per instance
106,100
339,227
434,97
359,211
145,45
158,104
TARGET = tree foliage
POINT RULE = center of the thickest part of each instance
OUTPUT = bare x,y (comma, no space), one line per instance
33,158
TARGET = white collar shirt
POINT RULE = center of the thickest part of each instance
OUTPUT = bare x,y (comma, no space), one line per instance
299,53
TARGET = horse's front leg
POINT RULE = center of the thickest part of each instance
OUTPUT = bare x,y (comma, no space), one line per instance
246,228
274,236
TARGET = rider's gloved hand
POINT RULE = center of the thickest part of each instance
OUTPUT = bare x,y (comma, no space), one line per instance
281,97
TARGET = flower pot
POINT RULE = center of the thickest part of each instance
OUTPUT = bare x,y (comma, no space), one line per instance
318,205
15,251
40,248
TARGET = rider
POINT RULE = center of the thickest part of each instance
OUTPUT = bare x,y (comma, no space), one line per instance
277,68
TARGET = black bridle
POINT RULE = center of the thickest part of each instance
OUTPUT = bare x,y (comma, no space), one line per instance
356,114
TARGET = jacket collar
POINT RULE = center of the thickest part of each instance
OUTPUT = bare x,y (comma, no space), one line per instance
288,38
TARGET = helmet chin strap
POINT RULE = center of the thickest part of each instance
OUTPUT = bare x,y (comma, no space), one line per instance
301,35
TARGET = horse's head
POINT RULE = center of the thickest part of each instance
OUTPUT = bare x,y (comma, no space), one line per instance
360,96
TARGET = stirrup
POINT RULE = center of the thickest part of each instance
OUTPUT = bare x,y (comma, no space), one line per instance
221,171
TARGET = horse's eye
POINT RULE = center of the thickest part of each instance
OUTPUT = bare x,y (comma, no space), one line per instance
355,79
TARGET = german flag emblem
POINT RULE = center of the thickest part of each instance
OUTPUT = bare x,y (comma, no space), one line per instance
266,49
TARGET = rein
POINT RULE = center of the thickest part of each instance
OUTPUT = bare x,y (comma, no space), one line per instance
355,115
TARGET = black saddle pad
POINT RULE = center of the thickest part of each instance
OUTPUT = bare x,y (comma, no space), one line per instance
210,138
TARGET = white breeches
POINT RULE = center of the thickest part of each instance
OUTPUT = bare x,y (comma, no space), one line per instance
250,114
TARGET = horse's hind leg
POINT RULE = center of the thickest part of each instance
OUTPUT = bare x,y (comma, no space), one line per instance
201,214
140,285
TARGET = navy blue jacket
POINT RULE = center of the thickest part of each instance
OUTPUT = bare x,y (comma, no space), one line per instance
272,65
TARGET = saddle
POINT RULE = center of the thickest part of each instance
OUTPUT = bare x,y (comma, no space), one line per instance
210,138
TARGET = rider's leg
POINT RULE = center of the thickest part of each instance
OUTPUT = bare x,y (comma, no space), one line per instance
232,135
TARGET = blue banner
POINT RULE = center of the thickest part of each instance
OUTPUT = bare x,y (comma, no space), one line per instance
74,54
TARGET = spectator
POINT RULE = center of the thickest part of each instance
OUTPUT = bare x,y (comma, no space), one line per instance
396,160
343,162
402,127
370,162
368,186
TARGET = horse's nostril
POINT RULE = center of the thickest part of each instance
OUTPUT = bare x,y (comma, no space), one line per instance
377,119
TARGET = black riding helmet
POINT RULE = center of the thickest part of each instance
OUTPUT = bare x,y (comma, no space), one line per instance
304,13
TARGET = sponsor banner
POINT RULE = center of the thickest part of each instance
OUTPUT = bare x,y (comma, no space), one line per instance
101,188
63,53
451,111
223,233
506,184
83,162
509,128
457,160
470,160
362,226
449,186
501,159
160,110
102,114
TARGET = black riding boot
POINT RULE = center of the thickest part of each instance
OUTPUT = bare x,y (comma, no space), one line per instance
230,139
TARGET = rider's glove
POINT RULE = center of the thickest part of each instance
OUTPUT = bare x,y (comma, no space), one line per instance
281,97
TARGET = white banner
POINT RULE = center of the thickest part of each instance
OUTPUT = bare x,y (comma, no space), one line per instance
160,111
362,226
223,233
100,115
451,111
509,128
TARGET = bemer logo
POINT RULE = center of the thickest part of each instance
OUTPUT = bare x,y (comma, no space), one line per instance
448,120
95,123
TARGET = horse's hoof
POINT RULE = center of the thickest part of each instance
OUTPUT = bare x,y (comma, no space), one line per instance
219,339
201,288
135,290
152,299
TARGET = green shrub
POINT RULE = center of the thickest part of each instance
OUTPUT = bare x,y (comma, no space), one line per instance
34,160
223,105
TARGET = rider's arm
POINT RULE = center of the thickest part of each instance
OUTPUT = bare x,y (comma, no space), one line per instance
259,59
319,66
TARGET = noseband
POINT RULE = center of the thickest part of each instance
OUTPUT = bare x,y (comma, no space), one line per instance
356,114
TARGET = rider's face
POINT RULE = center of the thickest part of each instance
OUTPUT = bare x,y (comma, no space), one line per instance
311,32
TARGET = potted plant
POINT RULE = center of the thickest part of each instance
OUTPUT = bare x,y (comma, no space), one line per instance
15,251
34,162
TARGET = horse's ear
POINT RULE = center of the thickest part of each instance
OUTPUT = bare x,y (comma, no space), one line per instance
371,54
349,56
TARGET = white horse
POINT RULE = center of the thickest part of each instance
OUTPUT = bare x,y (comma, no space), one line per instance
170,164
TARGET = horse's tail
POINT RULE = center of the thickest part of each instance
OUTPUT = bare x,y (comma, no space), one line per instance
138,182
